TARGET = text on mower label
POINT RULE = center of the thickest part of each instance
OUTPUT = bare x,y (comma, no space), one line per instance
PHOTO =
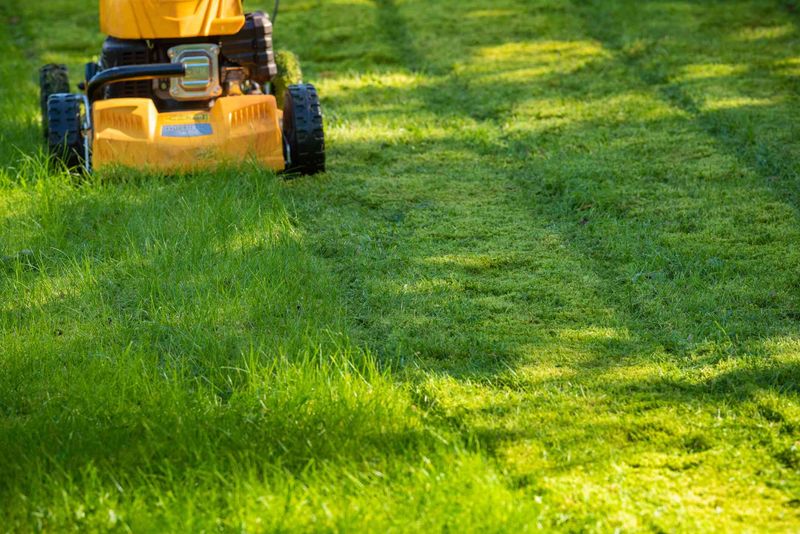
186,130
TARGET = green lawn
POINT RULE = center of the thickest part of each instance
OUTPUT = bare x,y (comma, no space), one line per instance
551,281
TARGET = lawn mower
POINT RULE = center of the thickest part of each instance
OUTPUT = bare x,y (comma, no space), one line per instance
182,84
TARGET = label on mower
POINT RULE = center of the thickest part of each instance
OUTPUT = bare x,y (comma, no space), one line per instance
197,129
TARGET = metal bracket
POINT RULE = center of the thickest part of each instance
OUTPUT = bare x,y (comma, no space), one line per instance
87,131
202,78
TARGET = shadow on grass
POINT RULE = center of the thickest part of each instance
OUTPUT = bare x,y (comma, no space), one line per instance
761,136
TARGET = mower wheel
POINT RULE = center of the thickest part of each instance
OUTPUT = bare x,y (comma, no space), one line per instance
53,79
64,135
304,137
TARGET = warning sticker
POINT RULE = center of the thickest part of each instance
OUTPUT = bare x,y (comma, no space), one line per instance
198,129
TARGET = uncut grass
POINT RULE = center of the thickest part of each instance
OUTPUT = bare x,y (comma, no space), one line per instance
172,360
574,239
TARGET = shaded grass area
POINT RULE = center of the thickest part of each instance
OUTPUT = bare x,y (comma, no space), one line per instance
568,228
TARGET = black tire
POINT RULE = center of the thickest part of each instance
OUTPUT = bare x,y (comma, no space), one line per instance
65,140
303,133
53,79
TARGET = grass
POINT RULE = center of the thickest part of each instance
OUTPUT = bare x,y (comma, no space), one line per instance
550,282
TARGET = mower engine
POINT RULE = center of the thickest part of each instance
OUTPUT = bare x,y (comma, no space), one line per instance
181,84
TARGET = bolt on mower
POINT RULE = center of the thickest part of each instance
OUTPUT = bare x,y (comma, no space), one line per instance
182,84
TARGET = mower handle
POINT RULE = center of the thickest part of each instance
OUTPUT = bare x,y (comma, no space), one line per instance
130,73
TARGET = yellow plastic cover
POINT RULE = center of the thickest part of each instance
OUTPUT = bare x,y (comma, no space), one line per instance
170,19
132,133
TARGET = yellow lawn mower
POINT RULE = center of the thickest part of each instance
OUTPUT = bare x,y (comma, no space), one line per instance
182,84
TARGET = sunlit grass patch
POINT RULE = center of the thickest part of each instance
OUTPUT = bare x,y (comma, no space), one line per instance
719,70
737,102
788,67
766,32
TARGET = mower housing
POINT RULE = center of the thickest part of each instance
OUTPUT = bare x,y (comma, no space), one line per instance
170,19
182,84
132,132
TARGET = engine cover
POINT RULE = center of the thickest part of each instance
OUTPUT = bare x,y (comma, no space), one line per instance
251,47
121,52
170,19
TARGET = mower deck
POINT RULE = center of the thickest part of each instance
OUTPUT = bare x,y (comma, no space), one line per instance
131,132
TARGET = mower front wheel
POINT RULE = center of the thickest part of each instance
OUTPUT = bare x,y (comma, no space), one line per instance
303,133
65,140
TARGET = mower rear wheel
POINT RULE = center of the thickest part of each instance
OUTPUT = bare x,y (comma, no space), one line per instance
303,133
65,140
53,79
